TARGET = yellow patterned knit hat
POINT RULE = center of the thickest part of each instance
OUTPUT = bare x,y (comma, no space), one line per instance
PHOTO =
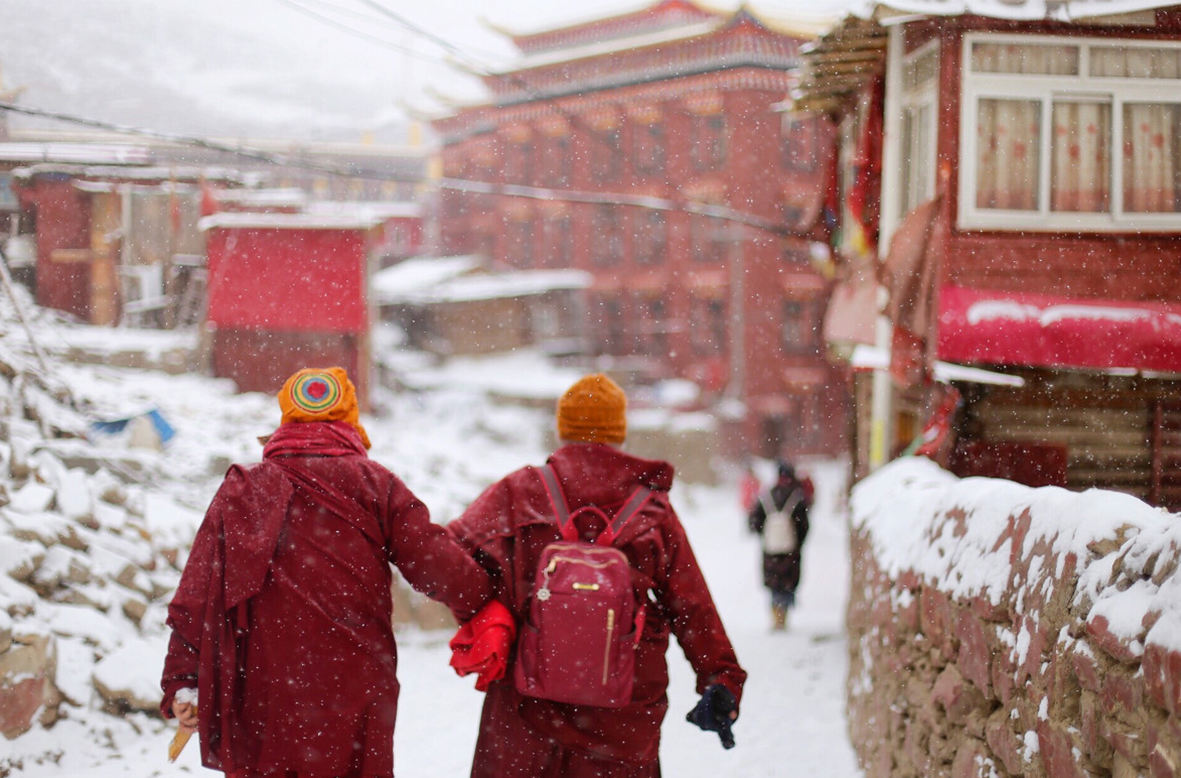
321,394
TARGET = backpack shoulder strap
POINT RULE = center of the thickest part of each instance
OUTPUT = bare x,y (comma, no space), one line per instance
557,498
549,479
630,508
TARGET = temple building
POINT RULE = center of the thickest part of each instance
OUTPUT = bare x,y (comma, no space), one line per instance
646,150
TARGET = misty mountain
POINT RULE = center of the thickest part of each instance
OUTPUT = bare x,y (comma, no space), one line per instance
253,68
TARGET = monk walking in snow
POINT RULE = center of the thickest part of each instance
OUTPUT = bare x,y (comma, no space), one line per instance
526,730
282,654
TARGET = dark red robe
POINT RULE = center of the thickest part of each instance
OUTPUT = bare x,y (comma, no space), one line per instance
506,529
282,618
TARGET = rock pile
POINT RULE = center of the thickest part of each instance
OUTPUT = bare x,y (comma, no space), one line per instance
88,555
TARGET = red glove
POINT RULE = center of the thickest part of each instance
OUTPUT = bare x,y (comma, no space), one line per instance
482,645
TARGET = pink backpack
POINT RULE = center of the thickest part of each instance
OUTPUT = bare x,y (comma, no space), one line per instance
578,642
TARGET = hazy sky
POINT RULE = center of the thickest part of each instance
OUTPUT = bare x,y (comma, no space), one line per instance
468,25
310,68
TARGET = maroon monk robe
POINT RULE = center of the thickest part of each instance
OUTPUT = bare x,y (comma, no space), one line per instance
282,618
506,528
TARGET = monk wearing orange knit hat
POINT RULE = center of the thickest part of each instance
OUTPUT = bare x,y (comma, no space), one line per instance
523,735
282,654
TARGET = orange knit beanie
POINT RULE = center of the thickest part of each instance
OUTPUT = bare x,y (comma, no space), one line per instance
594,410
321,394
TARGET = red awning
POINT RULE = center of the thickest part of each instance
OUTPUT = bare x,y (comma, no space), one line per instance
1014,328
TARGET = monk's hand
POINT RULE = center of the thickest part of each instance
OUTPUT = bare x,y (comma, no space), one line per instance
716,711
186,715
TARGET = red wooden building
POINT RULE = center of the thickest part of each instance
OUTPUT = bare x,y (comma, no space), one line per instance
101,231
645,150
1019,172
288,291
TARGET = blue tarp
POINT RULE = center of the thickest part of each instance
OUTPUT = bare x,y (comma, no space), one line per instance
115,426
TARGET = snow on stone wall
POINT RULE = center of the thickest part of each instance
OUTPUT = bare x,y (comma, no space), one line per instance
999,630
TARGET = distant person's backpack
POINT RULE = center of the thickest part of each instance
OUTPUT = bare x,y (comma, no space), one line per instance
779,530
578,642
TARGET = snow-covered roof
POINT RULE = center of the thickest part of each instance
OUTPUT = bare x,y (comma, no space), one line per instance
87,185
262,198
151,173
397,282
432,280
289,221
378,209
76,153
493,286
1009,9
601,48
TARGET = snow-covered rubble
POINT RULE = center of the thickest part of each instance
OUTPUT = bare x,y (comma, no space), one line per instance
92,532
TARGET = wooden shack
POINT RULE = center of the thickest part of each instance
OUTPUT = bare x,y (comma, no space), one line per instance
453,305
288,291
109,239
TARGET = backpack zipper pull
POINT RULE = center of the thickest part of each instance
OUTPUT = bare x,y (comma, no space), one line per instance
543,593
607,647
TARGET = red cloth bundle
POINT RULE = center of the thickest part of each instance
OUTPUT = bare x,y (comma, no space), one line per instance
482,645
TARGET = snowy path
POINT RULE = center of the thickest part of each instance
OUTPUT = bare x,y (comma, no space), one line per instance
793,720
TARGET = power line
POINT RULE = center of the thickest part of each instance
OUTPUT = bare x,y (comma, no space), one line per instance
360,33
465,63
238,150
446,45
721,212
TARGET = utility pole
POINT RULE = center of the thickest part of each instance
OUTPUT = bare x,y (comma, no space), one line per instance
735,235
881,430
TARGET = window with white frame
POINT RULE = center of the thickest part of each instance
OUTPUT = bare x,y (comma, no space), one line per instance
1066,133
919,104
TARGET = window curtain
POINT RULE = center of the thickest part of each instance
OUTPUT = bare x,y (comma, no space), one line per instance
1152,140
1138,62
1024,58
1007,149
1152,146
1080,155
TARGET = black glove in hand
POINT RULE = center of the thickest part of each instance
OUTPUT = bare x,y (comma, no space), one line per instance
714,712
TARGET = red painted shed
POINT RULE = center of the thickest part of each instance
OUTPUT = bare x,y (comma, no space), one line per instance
288,291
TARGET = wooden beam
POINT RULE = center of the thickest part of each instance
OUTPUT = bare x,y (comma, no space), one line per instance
844,55
816,72
831,84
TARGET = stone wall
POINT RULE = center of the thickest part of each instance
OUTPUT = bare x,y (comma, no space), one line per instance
996,630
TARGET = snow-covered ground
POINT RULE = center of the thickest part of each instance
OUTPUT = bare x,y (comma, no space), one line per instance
448,439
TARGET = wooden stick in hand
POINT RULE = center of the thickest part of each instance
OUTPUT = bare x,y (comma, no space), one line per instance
179,740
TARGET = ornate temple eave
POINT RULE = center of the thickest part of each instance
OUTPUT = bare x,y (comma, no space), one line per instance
742,45
611,81
651,18
713,83
614,46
